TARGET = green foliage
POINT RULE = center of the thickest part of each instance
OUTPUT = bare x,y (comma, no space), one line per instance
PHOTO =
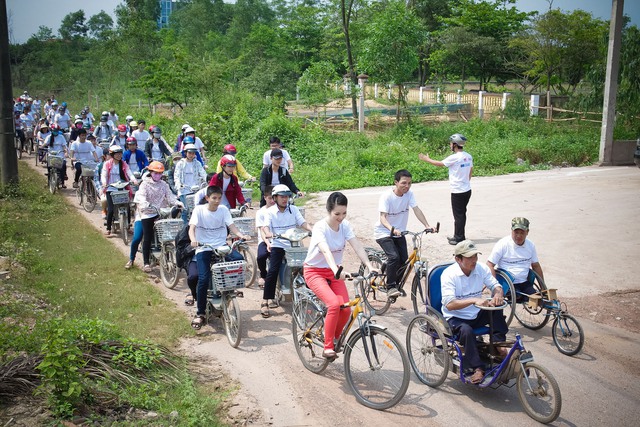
317,84
517,107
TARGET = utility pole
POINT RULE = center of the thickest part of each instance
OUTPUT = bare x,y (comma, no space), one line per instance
611,83
8,158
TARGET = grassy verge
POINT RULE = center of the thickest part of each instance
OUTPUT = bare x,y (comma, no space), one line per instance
68,295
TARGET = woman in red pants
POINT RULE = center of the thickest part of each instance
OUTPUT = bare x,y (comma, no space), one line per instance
329,238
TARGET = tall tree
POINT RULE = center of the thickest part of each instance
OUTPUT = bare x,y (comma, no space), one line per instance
73,26
100,25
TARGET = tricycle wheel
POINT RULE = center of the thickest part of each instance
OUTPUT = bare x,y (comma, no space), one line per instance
539,393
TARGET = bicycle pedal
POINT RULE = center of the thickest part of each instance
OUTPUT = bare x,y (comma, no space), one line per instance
403,293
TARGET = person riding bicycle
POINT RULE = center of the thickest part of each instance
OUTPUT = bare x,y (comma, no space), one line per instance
156,148
462,285
154,193
43,133
394,208
135,158
82,151
188,173
280,217
18,125
240,171
141,135
180,138
326,249
231,190
275,174
189,140
120,138
114,170
57,142
77,125
516,254
63,118
52,112
27,118
208,225
103,131
190,132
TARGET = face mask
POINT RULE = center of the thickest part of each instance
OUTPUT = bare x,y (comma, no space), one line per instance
156,176
157,135
123,133
78,125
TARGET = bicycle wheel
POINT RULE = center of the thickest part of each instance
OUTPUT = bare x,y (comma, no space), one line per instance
231,319
90,196
567,334
428,350
307,327
122,219
532,317
539,393
376,367
419,292
53,180
251,270
80,195
375,292
510,297
169,271
18,145
29,146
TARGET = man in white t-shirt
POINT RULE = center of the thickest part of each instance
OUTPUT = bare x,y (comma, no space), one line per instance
460,165
274,142
141,135
516,254
82,151
208,225
394,208
280,217
462,284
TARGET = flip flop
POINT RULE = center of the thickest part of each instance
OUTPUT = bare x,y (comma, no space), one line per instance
189,301
197,322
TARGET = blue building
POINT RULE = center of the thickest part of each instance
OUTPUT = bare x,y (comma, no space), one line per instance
166,7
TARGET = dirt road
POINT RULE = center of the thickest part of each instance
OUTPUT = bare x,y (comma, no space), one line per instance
583,221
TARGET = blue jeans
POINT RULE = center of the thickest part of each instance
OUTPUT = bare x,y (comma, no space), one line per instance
203,259
464,329
135,240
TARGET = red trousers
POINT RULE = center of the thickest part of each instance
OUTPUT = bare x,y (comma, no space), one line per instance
333,294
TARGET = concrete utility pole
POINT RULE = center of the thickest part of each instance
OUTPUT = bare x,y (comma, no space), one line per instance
611,83
8,159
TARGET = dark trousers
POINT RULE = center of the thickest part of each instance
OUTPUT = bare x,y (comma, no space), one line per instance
78,167
263,256
396,250
459,202
192,278
275,261
464,330
203,260
109,211
147,237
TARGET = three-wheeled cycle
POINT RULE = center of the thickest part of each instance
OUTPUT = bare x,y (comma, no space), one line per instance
434,351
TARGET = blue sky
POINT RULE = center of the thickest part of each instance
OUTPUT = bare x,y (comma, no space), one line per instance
24,21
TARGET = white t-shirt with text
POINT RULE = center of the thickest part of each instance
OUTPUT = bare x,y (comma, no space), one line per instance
515,259
211,226
397,210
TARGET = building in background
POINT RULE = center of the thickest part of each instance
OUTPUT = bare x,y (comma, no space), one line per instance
166,7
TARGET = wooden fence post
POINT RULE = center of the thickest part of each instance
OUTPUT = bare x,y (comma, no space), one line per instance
480,104
534,104
421,94
549,107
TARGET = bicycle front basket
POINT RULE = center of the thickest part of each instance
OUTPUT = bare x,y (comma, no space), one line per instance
191,201
168,229
246,225
88,168
227,276
120,197
295,256
55,161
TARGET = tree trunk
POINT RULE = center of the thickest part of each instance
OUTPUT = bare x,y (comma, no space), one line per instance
346,18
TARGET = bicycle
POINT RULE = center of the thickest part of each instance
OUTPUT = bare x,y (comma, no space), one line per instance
226,277
534,312
434,351
376,293
248,227
122,206
163,249
291,268
54,171
86,192
376,364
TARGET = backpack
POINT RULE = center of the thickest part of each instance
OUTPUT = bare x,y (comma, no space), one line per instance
184,251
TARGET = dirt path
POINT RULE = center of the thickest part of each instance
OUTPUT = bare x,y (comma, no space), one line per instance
583,222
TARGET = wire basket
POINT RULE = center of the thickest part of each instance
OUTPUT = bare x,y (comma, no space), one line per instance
168,229
88,168
227,276
120,197
246,226
247,193
295,256
55,161
191,201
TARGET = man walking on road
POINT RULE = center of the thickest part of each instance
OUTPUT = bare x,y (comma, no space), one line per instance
460,165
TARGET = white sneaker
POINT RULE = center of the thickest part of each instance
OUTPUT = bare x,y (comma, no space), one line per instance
393,292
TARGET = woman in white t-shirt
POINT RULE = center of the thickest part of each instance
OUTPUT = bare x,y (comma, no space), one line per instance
329,238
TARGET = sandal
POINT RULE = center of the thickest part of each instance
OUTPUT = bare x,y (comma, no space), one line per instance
197,322
189,301
128,265
107,233
147,268
330,354
264,310
477,376
239,294
261,283
273,303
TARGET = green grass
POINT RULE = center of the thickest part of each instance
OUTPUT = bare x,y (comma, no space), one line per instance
65,272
